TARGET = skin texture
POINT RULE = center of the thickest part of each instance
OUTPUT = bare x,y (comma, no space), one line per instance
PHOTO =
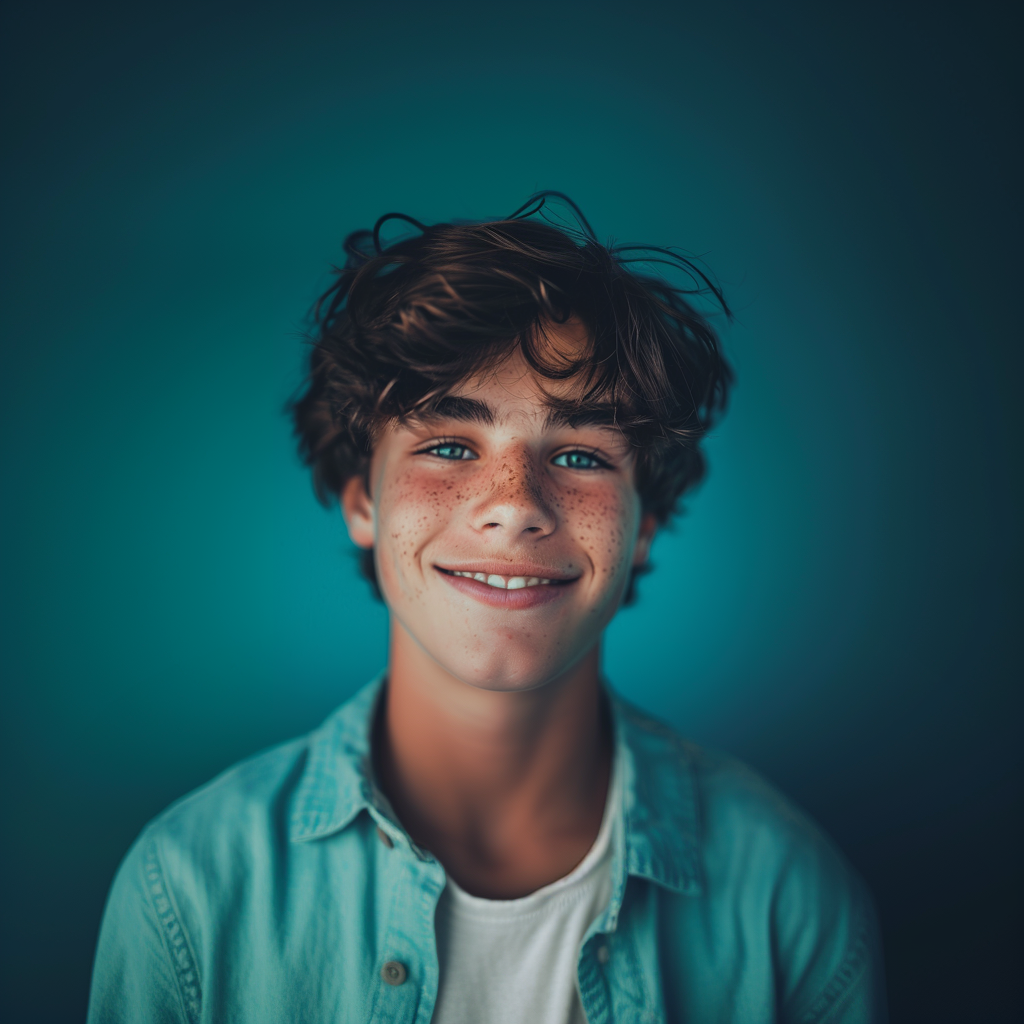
493,745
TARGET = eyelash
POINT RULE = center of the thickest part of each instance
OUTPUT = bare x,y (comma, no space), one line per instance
446,443
600,463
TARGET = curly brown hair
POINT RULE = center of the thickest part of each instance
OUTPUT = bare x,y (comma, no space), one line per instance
406,322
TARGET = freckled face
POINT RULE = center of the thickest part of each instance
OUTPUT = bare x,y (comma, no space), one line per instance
504,539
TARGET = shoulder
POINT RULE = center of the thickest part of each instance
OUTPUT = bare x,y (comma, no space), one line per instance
184,863
743,813
210,839
739,819
250,798
768,870
252,809
766,856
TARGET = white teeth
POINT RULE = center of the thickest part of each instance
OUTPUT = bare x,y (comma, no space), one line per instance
512,583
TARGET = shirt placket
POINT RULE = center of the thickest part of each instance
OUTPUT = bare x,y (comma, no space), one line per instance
407,977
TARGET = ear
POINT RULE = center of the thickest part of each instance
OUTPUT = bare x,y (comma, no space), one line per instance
642,551
357,508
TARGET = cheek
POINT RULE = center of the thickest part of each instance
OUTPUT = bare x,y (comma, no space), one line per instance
412,508
604,522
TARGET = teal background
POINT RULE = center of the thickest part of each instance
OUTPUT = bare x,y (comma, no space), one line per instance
840,605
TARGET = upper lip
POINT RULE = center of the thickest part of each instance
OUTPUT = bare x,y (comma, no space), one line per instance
510,569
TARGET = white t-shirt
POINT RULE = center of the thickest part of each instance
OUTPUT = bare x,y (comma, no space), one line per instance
514,961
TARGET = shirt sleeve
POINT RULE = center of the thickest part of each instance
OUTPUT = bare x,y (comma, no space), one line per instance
834,957
140,975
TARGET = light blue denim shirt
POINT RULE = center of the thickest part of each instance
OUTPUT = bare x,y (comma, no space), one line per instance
279,892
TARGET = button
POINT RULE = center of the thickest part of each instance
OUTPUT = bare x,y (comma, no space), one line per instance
387,841
603,954
393,972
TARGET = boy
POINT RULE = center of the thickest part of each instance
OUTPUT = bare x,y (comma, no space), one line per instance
506,412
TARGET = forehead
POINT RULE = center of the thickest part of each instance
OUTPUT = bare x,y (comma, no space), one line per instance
511,394
511,385
510,388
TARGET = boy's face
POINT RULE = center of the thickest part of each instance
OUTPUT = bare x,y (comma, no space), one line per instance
470,508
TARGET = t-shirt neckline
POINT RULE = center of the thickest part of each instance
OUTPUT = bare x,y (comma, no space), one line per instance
568,885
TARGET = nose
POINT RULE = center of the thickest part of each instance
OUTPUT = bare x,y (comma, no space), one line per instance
515,502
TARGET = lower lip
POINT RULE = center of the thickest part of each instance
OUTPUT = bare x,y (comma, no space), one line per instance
513,600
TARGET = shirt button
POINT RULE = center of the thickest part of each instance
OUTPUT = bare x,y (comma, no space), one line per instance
393,972
386,840
603,954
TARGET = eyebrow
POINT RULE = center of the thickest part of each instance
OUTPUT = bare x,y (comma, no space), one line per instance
588,414
455,407
473,410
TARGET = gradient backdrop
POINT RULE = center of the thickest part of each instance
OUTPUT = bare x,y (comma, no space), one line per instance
840,605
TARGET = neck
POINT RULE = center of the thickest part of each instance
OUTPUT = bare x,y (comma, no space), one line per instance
506,788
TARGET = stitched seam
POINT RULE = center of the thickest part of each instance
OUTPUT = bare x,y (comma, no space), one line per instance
175,939
842,981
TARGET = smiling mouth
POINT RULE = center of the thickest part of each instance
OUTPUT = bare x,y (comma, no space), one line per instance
506,582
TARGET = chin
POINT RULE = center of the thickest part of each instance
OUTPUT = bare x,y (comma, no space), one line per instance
505,670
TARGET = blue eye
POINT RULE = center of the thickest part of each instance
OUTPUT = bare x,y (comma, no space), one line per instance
452,452
578,460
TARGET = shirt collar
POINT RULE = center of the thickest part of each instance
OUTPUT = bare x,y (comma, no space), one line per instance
659,800
656,780
337,778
